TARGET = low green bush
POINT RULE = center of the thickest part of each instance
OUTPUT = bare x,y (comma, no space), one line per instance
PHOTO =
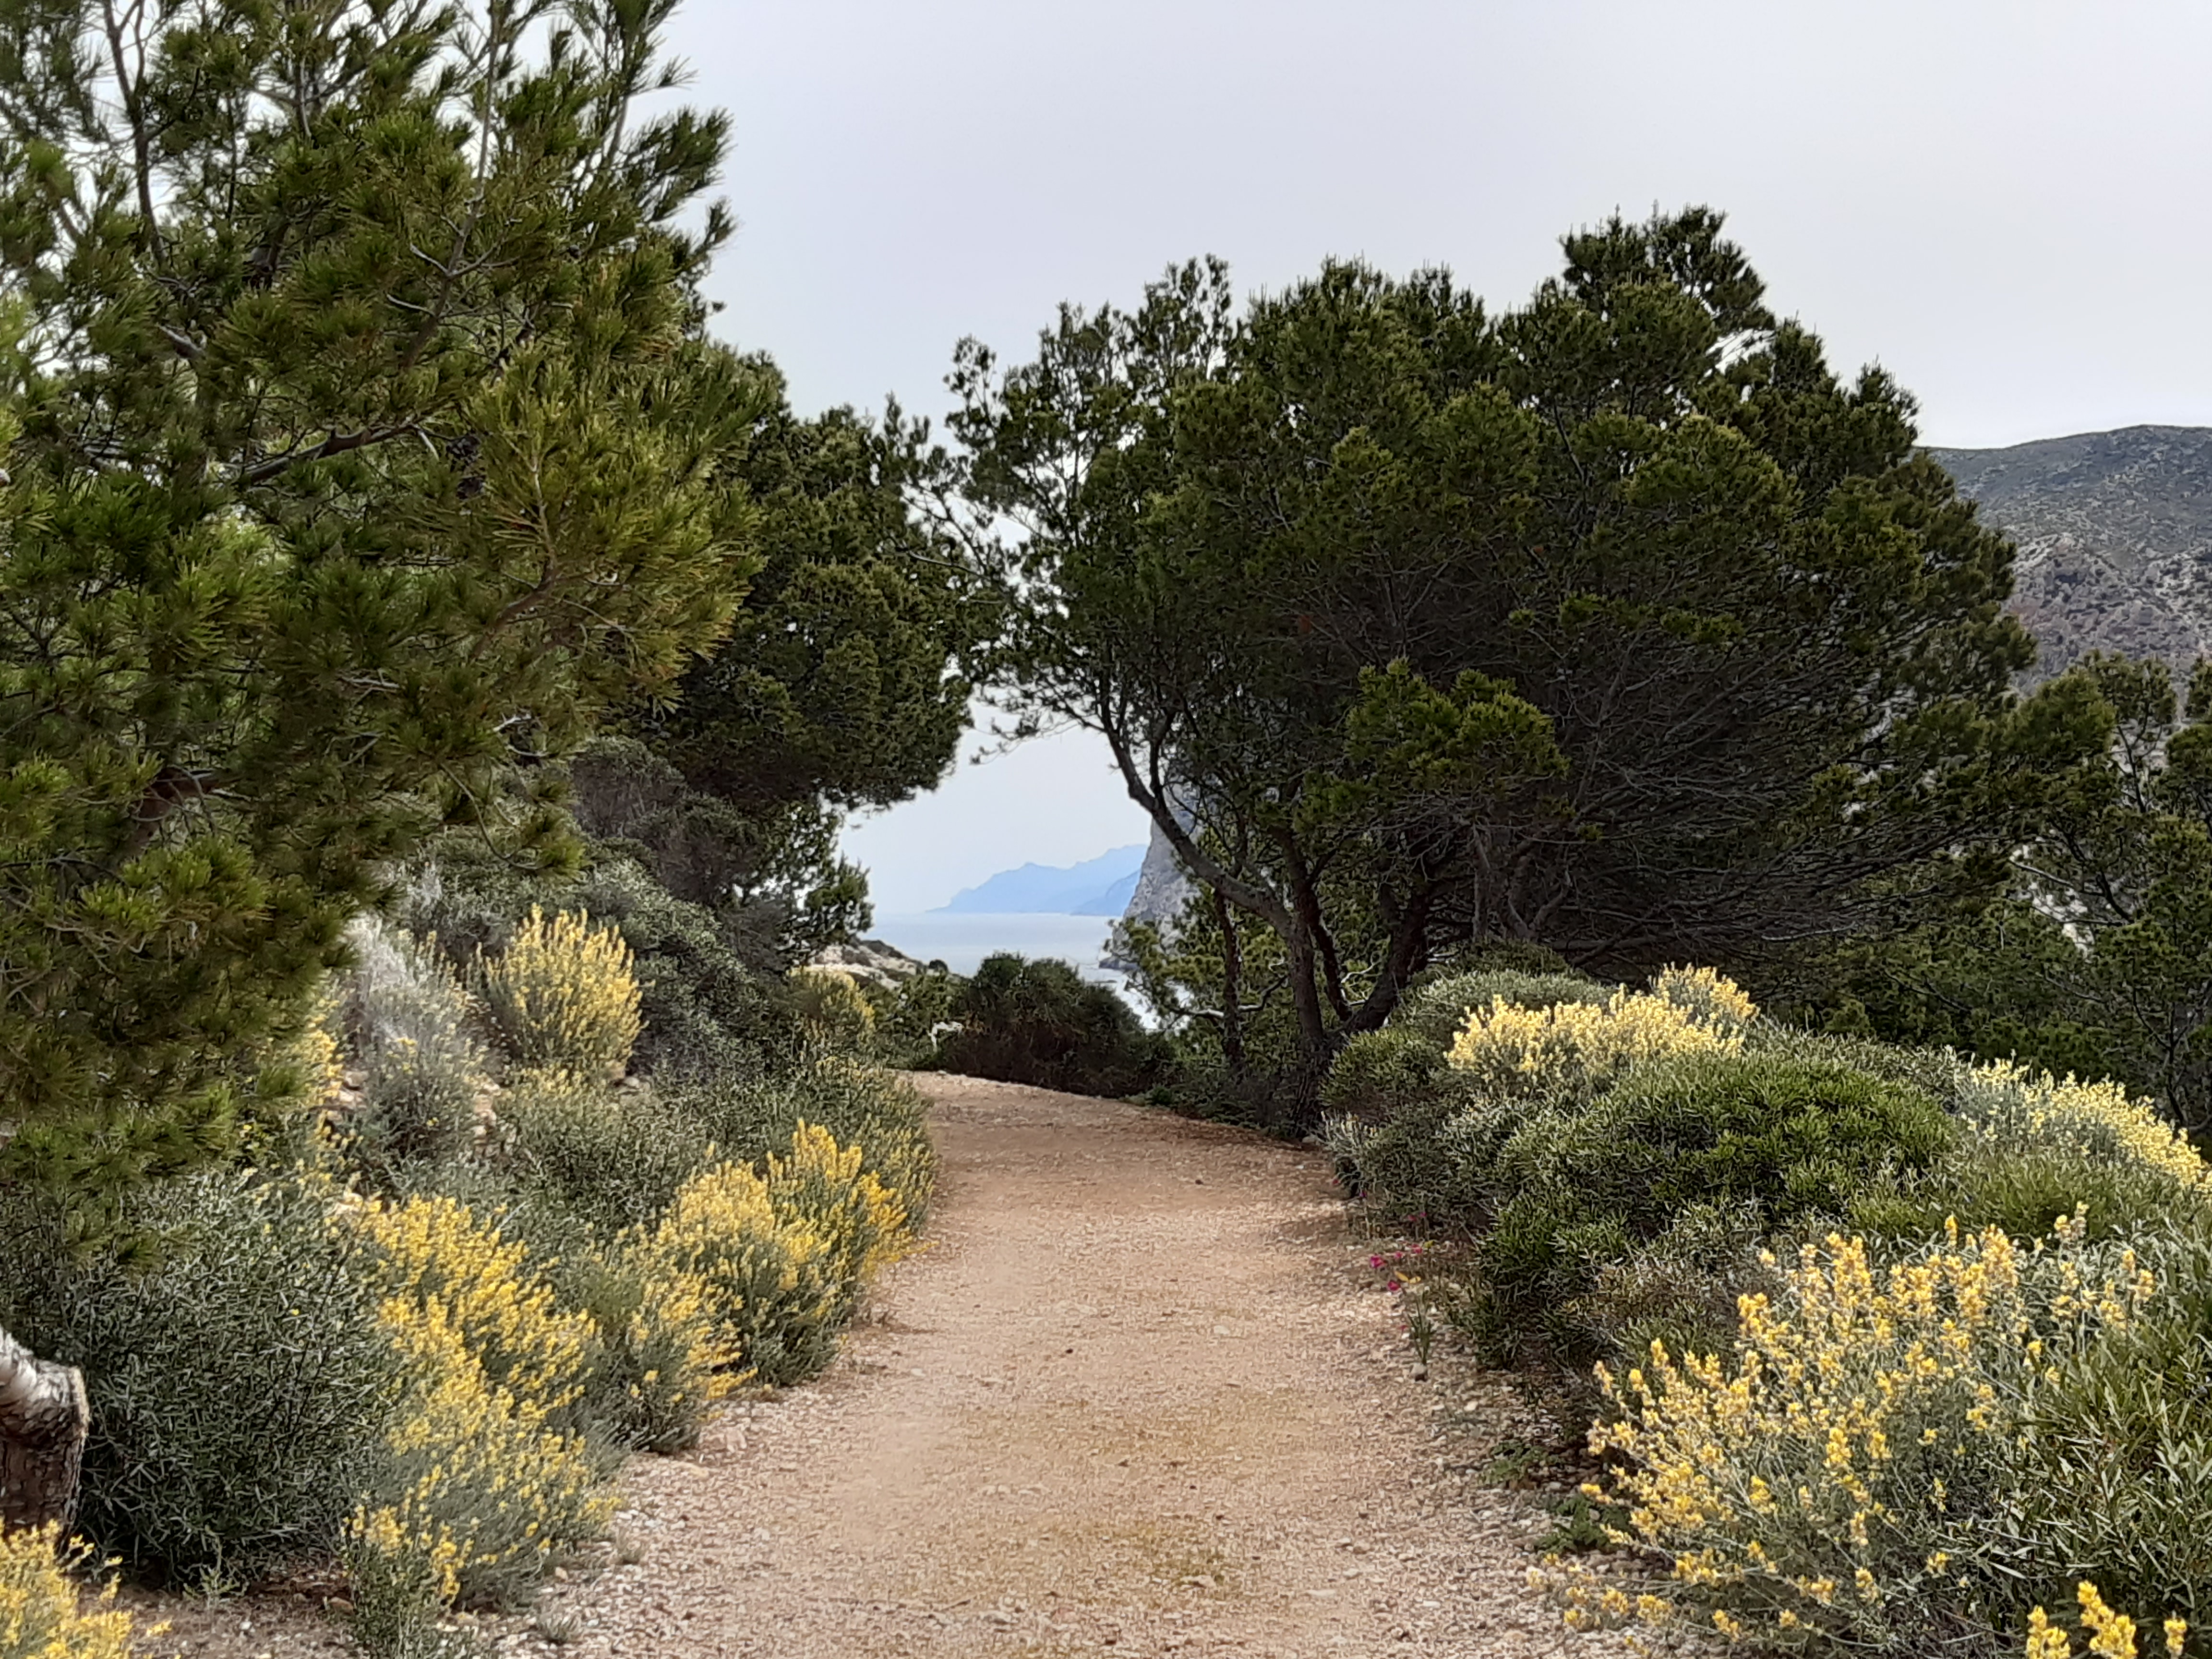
239,1380
1580,1189
2022,1191
1040,1022
1426,1168
411,1028
1378,1074
608,1158
1792,1136
2114,1471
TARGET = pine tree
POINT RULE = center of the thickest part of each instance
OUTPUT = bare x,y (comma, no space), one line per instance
1616,622
362,444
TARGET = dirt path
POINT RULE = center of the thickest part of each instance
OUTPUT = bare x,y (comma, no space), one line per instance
1136,1399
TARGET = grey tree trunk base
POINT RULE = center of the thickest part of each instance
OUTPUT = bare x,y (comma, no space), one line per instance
44,1419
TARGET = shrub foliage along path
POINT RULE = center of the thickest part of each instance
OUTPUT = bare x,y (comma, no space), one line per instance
1135,1398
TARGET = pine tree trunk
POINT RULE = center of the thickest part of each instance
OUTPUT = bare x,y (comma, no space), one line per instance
44,1419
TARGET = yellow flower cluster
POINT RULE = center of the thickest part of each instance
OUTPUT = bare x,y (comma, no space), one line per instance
566,994
1805,1489
485,1496
2110,1634
830,1000
1711,997
1576,1048
435,1251
669,1348
41,1615
783,1257
2010,1106
823,1186
485,1489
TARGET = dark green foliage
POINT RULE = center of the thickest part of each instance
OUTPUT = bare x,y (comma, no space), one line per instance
613,1159
908,1016
239,1380
1379,1074
1040,1022
1930,1072
1993,983
2096,961
769,874
600,1160
363,444
2126,856
1348,581
1580,1189
841,683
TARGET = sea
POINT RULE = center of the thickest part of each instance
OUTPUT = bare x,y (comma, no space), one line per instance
961,940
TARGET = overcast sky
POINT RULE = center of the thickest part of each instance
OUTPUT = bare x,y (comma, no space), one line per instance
2003,202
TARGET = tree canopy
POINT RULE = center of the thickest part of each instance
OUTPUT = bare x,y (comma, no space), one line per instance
840,686
366,445
2095,960
1617,621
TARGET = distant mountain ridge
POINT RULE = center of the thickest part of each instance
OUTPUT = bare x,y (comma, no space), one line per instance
2115,537
1096,887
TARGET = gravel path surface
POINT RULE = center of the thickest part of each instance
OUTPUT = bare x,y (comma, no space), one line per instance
1138,1397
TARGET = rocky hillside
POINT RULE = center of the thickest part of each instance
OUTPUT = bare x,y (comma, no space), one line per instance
2115,535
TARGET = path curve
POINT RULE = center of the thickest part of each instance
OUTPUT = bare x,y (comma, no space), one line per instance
1137,1397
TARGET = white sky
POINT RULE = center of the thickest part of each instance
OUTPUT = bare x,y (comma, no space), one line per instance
2003,201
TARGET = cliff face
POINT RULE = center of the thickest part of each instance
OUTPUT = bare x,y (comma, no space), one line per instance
2115,536
1162,887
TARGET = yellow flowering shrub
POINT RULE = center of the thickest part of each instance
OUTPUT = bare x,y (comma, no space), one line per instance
483,1487
435,1250
882,1113
830,1000
2105,1633
43,1615
481,1497
823,1186
1830,1486
772,1279
784,1256
1571,1050
1712,997
2012,1108
665,1357
565,994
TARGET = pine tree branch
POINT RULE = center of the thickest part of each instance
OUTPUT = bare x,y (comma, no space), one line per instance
339,444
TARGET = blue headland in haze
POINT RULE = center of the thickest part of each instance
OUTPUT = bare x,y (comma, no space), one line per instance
1096,887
